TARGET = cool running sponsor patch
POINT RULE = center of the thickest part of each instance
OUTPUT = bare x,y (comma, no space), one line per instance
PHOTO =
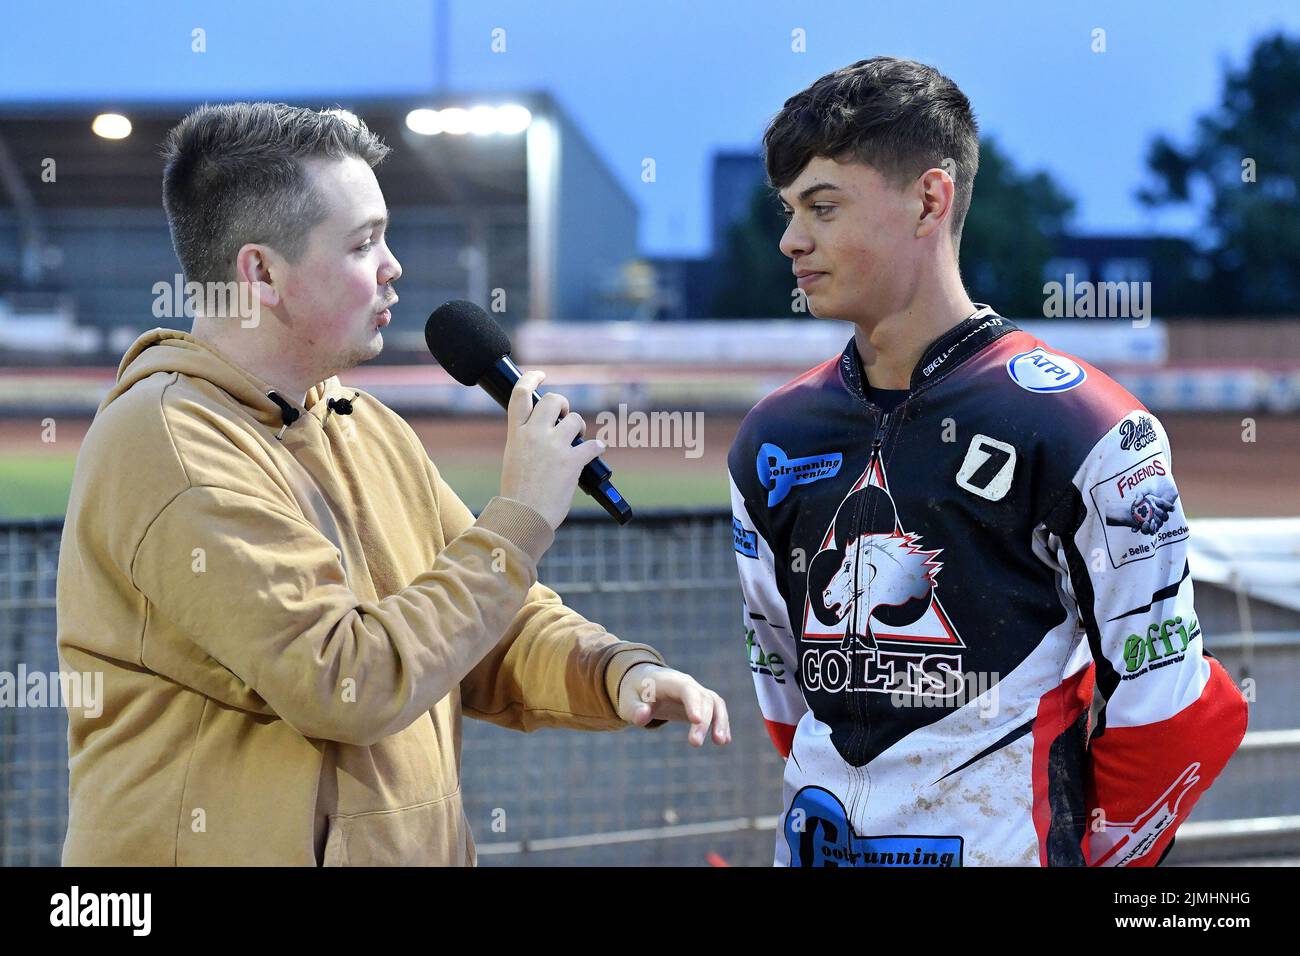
818,833
779,473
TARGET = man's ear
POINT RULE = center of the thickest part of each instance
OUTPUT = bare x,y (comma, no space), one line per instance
260,267
937,192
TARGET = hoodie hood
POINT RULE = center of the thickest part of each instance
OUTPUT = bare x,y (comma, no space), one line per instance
171,350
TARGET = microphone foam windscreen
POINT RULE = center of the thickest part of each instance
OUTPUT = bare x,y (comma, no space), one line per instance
464,340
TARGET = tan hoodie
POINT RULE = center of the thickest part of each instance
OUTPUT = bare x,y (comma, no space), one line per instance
289,629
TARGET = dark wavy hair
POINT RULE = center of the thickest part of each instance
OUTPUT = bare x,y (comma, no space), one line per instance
897,116
234,174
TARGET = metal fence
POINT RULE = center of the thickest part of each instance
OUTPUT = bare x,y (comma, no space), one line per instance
668,580
33,742
640,798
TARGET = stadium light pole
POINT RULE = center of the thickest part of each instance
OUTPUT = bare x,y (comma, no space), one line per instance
542,159
28,211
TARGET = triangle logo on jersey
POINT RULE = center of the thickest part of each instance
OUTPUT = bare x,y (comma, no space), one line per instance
873,583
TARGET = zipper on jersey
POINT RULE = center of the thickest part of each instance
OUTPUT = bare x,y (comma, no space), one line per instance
877,441
859,707
879,437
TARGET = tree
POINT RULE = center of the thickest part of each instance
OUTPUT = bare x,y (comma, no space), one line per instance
756,280
1010,229
1246,153
1010,233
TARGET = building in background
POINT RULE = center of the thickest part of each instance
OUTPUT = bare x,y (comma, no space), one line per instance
529,221
734,178
688,287
1161,260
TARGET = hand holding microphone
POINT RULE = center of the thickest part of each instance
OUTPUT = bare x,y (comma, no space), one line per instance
541,464
474,351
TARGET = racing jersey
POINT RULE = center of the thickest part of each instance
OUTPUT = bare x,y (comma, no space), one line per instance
932,596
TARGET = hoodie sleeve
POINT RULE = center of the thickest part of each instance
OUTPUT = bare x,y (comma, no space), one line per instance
265,593
552,667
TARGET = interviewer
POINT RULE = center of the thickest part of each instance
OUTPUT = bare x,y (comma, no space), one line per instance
290,606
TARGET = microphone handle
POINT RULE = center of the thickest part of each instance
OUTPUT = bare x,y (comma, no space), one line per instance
499,381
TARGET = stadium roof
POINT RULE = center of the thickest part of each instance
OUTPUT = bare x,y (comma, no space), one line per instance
442,170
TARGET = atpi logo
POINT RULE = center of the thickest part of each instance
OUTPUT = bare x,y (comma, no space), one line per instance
1039,370
778,474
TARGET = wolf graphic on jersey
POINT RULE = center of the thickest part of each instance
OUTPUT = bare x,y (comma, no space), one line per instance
872,592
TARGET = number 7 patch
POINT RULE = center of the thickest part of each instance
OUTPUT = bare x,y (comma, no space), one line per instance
988,468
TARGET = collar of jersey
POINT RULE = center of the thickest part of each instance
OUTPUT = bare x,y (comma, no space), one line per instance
941,356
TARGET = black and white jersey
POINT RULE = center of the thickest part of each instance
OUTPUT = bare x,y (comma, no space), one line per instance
932,595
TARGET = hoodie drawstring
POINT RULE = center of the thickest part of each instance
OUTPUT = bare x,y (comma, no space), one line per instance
341,405
288,414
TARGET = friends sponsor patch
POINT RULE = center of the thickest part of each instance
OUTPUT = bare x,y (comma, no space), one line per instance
1139,510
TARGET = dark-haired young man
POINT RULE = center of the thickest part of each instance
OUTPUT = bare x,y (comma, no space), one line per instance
290,607
952,535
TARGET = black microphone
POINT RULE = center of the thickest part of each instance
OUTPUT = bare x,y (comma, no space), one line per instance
474,351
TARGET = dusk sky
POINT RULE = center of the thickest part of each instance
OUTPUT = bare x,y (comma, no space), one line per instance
676,80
